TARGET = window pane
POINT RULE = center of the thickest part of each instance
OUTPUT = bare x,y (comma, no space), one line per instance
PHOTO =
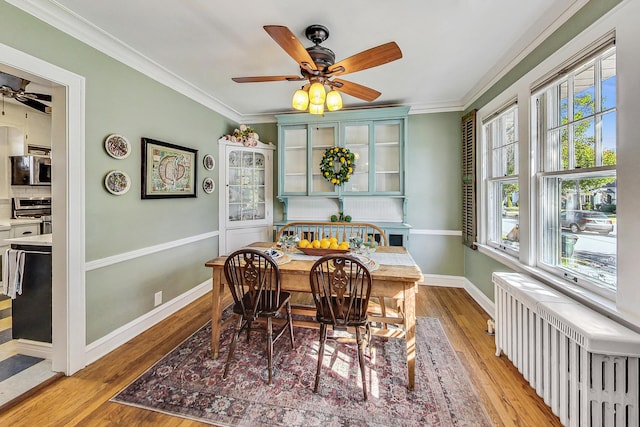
581,240
563,90
609,82
609,139
509,227
584,94
584,144
564,147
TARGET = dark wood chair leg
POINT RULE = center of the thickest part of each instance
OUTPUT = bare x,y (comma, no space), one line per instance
232,346
360,343
248,330
290,323
323,337
270,347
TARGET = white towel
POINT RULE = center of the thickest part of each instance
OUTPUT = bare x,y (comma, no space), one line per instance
5,272
14,271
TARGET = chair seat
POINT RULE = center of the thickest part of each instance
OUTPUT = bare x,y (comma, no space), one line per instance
354,318
264,309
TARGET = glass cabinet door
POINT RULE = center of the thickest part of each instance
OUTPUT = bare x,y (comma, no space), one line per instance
388,157
356,139
246,186
322,138
295,161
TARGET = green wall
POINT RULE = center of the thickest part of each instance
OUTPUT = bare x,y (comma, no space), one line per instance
122,100
433,188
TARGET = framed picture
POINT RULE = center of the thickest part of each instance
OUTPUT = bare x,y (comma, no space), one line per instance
168,170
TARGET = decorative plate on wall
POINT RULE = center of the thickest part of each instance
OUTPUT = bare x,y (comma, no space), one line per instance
209,162
117,146
208,185
117,182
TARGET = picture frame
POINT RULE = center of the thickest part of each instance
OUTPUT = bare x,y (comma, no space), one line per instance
209,162
168,170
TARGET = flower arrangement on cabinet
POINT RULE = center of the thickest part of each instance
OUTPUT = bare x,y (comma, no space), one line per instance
245,136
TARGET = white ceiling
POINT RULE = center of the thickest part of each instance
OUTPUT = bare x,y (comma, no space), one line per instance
452,49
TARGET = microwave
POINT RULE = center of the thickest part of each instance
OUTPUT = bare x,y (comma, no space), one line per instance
30,170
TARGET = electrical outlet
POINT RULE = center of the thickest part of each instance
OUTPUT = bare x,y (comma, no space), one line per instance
157,299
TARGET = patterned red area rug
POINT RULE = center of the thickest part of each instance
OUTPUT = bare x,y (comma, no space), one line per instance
188,383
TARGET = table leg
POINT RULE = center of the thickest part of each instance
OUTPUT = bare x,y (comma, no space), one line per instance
410,333
216,311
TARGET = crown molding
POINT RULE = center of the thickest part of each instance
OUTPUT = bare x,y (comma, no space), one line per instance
522,48
61,18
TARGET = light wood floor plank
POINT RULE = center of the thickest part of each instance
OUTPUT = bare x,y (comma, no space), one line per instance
83,399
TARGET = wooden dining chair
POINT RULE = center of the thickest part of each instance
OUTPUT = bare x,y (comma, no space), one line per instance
254,281
341,287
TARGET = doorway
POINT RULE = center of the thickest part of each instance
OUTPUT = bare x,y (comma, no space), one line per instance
68,134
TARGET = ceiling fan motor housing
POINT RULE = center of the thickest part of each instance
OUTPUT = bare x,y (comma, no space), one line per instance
323,57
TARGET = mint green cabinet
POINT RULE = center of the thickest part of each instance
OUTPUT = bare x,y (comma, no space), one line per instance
376,136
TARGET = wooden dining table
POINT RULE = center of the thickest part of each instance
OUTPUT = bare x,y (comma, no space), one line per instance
396,276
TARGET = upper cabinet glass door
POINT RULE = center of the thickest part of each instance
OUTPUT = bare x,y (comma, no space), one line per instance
356,139
322,138
295,161
387,157
246,186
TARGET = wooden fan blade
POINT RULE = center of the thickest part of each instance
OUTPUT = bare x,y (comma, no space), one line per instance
34,104
38,96
367,59
258,79
354,89
287,41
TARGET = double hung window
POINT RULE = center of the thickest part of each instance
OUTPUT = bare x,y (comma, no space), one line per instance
574,119
503,195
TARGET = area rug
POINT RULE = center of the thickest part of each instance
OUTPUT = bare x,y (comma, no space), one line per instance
188,383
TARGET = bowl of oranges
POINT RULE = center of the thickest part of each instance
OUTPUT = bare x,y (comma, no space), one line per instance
325,246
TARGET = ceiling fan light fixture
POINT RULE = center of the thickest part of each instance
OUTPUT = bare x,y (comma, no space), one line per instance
334,101
317,93
300,100
316,108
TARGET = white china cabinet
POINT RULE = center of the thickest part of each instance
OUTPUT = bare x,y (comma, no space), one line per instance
246,194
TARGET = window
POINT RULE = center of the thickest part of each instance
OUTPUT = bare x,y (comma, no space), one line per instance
503,201
575,118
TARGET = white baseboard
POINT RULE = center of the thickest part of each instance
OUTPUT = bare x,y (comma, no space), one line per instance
110,342
485,302
461,282
33,348
443,280
115,339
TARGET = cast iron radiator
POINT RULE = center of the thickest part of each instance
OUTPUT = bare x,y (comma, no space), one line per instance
583,364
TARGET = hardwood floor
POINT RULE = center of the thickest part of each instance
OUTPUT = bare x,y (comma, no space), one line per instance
83,399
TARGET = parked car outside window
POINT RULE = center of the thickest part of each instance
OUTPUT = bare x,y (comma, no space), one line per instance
578,221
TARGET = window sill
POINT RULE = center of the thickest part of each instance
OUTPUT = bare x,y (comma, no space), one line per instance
596,302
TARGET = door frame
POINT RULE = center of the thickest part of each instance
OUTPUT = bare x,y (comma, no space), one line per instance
68,206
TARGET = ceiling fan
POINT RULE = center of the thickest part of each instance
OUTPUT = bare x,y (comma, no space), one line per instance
15,87
317,63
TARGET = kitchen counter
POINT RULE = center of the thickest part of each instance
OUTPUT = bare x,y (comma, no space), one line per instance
38,240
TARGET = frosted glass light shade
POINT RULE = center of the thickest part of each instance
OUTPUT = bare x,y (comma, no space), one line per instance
334,101
300,100
317,93
316,108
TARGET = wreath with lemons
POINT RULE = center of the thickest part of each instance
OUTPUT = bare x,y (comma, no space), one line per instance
337,165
